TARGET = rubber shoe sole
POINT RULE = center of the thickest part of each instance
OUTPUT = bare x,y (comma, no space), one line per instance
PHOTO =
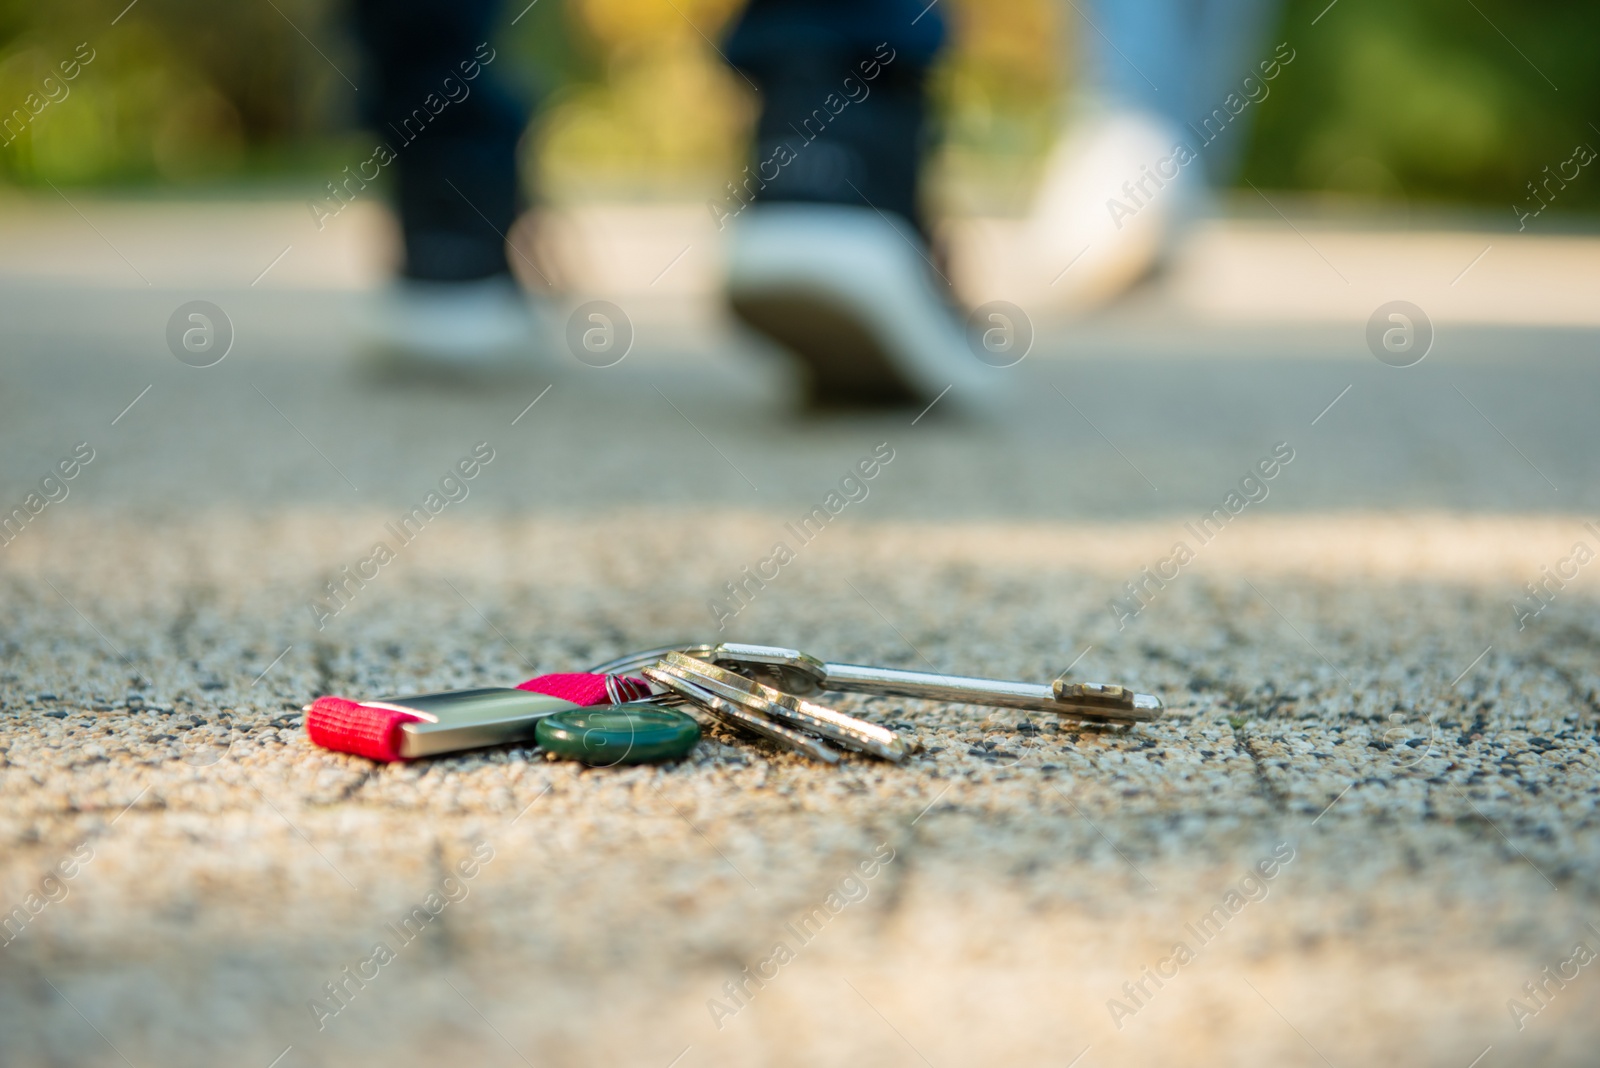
848,293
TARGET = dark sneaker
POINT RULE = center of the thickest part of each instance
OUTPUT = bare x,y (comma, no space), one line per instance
853,296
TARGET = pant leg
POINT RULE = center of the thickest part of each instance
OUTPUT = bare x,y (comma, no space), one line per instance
1230,39
844,116
453,132
1179,59
1135,54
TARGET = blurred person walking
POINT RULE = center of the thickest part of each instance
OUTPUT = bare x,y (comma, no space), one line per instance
830,253
457,193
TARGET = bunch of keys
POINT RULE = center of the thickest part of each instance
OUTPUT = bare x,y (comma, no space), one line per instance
764,689
760,689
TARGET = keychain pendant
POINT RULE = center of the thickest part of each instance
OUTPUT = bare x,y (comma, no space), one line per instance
427,724
420,725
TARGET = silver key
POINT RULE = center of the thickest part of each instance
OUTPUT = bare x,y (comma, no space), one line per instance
796,711
742,718
796,672
799,673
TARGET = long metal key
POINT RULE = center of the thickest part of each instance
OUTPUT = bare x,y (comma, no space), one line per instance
795,672
835,726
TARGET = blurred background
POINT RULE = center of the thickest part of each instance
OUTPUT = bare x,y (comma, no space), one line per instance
1346,670
1419,103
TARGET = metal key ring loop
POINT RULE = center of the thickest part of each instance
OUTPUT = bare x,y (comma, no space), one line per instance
622,665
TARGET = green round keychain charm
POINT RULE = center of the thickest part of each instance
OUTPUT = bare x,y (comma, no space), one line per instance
636,733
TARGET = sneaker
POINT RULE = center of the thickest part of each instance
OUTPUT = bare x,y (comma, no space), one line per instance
483,325
1117,193
856,298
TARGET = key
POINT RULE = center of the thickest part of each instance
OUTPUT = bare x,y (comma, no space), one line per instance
743,718
835,726
795,672
799,673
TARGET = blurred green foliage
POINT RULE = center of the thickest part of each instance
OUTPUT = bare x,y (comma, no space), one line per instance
178,90
1463,100
1457,100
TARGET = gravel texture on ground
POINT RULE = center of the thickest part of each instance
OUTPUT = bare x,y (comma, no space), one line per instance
1352,708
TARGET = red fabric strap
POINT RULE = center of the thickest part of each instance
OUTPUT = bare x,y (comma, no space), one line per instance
583,688
351,727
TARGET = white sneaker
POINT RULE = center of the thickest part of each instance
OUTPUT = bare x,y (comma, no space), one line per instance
854,296
1116,194
488,324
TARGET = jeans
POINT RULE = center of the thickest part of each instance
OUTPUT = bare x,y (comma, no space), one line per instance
455,159
848,138
1178,59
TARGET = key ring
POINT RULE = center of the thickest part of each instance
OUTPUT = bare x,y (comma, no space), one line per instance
631,662
760,688
801,674
794,711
